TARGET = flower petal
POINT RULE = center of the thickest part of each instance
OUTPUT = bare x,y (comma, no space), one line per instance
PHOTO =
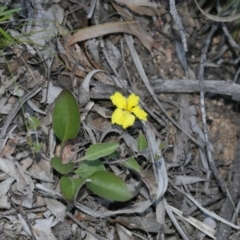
140,113
132,101
128,120
119,100
118,116
123,118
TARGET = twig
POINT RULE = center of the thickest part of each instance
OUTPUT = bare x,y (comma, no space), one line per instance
236,75
225,30
221,182
177,20
229,37
202,106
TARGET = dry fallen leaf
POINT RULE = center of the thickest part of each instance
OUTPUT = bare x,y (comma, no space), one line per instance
107,28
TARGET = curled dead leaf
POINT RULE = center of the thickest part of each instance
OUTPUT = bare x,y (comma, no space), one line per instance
107,28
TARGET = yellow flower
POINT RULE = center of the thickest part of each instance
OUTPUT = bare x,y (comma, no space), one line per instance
125,107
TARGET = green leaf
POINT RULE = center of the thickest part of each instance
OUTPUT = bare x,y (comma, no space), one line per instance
3,8
70,187
115,154
142,143
109,186
57,164
29,140
87,168
37,147
162,146
66,116
33,122
6,35
131,163
8,12
99,150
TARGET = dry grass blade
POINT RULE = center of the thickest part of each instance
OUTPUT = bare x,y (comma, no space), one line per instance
217,18
197,224
206,211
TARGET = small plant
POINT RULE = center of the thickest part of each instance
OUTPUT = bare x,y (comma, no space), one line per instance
88,170
32,124
5,15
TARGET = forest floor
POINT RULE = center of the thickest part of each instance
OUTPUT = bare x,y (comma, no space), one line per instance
183,173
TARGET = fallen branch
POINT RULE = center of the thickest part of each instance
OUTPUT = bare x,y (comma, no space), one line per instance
101,91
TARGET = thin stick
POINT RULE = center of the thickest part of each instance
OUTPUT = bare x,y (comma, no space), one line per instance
221,183
177,20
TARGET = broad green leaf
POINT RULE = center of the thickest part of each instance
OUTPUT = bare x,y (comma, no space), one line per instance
87,168
66,116
99,150
70,187
142,143
131,163
109,186
57,164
